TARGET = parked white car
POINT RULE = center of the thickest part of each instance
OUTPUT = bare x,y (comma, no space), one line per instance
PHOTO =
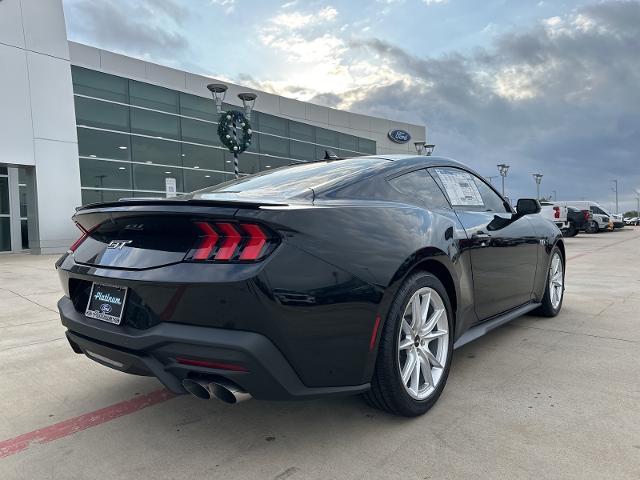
600,218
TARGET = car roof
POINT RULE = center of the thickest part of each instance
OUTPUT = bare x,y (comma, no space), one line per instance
424,160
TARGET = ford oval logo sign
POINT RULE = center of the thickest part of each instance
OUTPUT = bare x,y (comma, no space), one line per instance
399,136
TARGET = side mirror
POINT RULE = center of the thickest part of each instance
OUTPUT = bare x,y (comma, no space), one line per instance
528,206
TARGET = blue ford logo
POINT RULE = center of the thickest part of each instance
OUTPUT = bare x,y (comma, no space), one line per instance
399,136
105,308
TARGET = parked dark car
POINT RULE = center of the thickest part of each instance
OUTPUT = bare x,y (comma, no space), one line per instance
336,277
578,220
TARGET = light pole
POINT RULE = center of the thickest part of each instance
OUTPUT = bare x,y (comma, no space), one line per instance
491,177
555,196
423,148
615,182
538,178
503,169
230,121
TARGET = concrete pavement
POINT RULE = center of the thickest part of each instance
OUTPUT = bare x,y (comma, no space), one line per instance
538,398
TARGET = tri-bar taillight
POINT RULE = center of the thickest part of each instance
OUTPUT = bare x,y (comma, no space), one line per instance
230,242
79,241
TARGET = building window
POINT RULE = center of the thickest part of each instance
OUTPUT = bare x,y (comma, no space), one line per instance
195,156
95,113
98,144
151,177
100,85
152,150
131,133
99,196
105,174
198,107
155,124
151,96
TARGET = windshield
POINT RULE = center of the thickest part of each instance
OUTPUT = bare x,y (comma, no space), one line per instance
290,181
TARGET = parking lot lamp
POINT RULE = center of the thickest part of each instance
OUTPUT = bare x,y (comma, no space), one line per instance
248,101
218,90
423,148
615,182
538,178
503,169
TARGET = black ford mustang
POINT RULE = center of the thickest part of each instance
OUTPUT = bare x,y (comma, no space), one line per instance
336,277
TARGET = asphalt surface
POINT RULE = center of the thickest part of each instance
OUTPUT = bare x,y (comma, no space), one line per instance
538,398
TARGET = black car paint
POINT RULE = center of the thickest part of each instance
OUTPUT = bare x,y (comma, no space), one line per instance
345,250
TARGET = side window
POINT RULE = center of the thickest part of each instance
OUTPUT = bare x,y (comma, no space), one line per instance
418,186
595,209
468,192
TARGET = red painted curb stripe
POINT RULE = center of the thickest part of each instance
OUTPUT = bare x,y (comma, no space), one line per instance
68,427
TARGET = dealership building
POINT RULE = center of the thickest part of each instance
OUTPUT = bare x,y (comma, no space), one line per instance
79,125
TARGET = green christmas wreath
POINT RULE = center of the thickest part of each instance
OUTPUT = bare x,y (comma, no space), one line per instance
242,141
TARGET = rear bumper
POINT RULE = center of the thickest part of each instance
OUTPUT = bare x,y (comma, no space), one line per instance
153,352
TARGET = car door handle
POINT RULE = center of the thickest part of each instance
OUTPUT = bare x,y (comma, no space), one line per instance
481,236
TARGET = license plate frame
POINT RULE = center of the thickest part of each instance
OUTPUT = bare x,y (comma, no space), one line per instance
110,307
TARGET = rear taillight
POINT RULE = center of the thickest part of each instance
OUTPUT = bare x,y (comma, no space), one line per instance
587,214
232,242
556,212
79,241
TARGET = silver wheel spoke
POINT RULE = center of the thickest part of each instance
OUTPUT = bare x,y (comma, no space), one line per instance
415,313
432,359
435,334
406,328
426,368
404,344
431,323
408,367
415,376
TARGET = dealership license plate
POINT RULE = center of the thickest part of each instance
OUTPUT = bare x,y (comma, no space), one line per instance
106,303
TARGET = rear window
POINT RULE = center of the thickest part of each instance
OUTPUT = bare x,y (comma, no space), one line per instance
290,181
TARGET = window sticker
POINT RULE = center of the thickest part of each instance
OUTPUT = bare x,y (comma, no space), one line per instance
460,187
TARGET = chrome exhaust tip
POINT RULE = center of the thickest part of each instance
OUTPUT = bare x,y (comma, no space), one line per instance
226,392
197,388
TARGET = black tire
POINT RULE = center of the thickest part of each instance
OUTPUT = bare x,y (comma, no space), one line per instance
570,232
592,227
546,309
387,392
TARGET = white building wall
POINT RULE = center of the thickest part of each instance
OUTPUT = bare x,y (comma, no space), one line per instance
37,118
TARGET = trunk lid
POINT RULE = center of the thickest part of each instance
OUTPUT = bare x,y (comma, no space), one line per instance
143,234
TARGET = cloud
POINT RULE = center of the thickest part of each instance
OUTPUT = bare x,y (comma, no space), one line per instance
228,6
145,28
560,97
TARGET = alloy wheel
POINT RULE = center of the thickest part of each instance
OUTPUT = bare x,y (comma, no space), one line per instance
423,343
556,280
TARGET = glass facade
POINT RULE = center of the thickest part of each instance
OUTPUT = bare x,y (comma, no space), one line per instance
5,219
132,136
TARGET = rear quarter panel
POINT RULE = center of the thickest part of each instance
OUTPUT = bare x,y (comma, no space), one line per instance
380,243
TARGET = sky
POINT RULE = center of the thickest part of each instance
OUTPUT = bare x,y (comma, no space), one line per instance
549,87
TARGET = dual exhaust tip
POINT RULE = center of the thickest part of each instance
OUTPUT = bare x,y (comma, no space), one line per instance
225,391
